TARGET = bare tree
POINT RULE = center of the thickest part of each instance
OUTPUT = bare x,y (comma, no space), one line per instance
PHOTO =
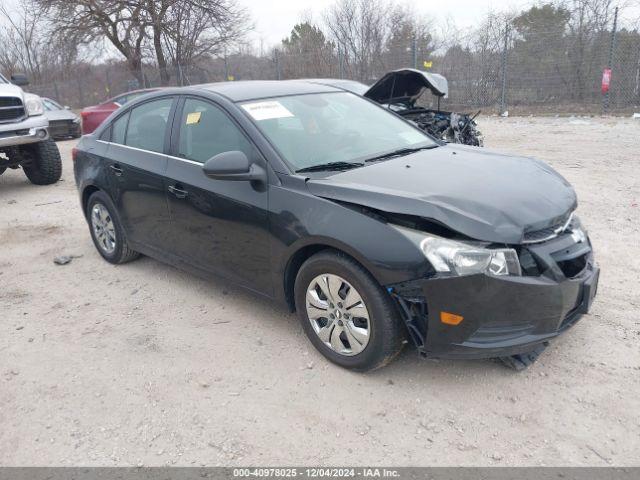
588,20
24,46
27,44
360,28
165,30
122,23
195,29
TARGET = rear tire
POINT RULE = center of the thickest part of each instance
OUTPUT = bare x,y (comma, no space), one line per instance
43,165
106,230
383,331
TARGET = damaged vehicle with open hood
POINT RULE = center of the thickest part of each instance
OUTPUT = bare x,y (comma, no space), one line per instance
401,91
370,229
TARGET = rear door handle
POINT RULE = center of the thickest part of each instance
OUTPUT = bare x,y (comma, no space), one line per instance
178,192
116,170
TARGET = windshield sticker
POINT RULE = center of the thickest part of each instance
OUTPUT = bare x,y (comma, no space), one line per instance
193,118
413,136
267,110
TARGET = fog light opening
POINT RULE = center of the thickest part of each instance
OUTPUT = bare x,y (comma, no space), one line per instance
42,133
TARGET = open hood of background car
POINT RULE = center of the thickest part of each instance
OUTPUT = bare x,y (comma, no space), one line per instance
481,194
63,114
407,85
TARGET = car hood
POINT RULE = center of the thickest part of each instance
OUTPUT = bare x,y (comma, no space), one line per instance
481,194
53,115
10,90
407,85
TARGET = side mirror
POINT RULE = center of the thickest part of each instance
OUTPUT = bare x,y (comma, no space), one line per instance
67,107
233,166
19,79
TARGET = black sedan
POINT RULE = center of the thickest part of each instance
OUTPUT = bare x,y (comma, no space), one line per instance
369,228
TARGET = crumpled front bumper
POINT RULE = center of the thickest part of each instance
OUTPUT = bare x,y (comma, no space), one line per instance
501,315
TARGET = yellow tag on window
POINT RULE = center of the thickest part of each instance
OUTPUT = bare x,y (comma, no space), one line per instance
193,118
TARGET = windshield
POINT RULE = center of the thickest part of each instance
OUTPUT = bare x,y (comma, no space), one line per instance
322,128
50,105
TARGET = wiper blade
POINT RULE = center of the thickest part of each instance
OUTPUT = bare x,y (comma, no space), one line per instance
399,153
331,166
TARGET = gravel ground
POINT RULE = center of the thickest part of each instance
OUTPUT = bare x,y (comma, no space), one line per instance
145,364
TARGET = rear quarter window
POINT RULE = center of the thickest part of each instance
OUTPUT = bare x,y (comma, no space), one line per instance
119,129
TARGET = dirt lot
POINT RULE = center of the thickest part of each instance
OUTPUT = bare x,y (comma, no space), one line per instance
145,364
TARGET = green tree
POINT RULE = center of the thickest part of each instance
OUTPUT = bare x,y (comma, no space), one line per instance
306,52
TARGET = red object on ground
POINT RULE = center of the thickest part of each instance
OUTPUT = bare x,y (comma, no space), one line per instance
93,116
606,80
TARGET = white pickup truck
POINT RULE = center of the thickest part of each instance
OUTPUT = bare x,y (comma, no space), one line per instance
24,135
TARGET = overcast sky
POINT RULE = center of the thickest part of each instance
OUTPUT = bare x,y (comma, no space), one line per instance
274,19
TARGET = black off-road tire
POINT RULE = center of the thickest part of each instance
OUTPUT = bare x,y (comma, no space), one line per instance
122,253
2,170
43,165
387,334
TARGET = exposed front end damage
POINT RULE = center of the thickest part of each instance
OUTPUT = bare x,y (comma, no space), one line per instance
400,91
501,316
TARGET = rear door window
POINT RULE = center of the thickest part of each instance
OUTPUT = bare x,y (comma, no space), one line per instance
148,125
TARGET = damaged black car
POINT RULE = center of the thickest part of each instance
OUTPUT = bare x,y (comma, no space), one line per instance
401,91
370,229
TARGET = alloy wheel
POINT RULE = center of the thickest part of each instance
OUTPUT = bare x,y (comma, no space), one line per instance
338,314
103,228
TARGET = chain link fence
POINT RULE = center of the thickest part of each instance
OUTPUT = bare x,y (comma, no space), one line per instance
540,72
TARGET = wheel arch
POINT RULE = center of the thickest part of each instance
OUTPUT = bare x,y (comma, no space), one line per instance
301,253
86,193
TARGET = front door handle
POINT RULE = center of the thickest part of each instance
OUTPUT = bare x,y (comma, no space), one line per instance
116,170
178,192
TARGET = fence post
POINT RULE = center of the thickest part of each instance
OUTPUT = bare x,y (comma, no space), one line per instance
340,62
612,47
278,75
503,94
55,89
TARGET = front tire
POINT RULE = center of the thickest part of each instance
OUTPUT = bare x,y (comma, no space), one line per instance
43,165
106,230
345,313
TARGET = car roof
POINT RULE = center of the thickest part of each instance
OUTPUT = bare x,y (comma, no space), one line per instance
352,86
130,92
256,89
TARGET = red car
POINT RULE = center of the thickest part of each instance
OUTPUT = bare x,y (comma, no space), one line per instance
93,116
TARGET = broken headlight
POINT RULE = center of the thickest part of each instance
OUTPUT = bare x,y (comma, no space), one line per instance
459,258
